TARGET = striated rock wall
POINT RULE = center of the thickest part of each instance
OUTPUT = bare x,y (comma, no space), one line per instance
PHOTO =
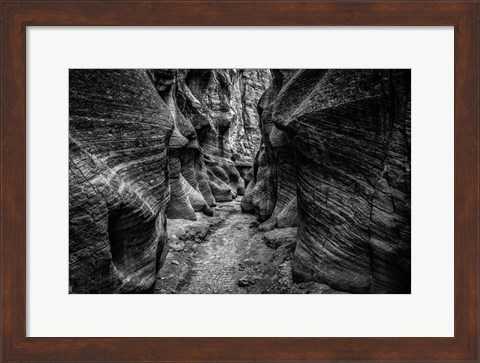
215,136
336,146
271,194
146,145
324,151
118,181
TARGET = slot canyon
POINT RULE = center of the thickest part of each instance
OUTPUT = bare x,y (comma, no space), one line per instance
216,181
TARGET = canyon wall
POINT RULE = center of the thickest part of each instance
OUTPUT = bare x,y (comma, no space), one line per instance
215,137
325,151
271,194
146,145
118,181
335,160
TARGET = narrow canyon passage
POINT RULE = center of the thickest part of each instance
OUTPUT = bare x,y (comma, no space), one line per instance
227,253
239,181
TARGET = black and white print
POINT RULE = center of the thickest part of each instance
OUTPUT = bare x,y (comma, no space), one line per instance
239,181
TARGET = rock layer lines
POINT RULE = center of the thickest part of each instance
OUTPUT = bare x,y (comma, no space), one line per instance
336,146
321,157
146,145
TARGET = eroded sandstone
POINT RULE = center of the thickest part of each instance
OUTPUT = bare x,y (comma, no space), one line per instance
215,136
321,157
146,145
336,147
118,178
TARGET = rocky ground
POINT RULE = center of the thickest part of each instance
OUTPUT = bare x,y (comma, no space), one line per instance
227,253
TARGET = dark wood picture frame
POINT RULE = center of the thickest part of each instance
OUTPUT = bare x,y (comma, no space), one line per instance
18,15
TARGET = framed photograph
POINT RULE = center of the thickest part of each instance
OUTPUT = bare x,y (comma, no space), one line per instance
240,181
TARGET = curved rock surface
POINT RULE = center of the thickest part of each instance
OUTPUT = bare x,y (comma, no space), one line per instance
321,155
336,146
272,191
118,178
146,145
215,136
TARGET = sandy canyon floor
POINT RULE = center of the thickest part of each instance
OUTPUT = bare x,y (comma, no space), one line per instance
228,254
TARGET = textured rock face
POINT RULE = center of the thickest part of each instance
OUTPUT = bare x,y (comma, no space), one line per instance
226,109
215,136
349,134
146,145
272,190
119,134
321,155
